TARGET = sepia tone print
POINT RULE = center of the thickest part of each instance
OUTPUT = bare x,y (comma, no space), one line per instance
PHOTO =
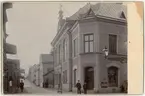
58,49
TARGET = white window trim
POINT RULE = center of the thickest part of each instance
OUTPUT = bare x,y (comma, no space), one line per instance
93,41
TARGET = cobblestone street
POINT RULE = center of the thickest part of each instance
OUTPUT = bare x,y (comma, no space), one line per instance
30,88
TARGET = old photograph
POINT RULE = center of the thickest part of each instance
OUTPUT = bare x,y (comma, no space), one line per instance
65,48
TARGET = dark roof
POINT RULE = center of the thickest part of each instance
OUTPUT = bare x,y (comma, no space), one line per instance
111,10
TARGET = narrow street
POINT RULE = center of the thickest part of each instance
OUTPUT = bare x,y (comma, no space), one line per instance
30,88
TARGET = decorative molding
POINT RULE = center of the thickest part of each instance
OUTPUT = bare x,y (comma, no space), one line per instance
113,63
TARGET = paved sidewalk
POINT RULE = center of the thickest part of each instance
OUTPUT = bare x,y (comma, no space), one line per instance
63,92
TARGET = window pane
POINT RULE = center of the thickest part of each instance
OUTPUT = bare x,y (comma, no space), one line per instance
91,37
65,49
74,47
91,47
112,43
75,77
86,38
86,47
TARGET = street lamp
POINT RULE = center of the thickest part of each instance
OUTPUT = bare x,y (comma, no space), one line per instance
105,50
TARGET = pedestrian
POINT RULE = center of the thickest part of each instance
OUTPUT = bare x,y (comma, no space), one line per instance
22,85
78,85
46,84
43,85
85,88
10,86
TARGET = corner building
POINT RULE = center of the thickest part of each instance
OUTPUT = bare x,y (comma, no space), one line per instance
79,43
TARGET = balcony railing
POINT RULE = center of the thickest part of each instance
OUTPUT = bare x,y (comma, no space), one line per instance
10,49
118,57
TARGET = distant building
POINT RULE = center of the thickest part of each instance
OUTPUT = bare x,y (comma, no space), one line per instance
38,75
46,66
32,73
79,43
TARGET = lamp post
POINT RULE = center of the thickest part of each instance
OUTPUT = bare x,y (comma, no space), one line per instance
105,50
106,53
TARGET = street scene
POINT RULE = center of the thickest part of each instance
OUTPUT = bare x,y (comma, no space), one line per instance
65,48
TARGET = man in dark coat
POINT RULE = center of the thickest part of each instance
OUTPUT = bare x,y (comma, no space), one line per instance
22,85
78,85
85,88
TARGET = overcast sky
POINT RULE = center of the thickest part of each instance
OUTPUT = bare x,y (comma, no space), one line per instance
32,27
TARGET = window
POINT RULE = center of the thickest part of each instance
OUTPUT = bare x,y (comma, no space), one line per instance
75,73
65,76
64,50
59,53
112,44
113,76
75,47
88,43
55,56
56,79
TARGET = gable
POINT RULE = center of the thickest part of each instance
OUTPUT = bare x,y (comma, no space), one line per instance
88,14
122,15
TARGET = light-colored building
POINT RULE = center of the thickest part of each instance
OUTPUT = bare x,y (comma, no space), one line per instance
32,73
79,43
46,65
38,75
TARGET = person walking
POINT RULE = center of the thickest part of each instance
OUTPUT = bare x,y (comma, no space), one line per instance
85,88
78,85
22,85
10,86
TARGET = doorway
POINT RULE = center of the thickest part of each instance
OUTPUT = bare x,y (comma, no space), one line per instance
89,77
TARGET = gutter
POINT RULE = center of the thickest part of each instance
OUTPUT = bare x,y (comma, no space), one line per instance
110,18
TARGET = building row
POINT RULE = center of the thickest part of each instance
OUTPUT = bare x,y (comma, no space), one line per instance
11,66
79,43
41,74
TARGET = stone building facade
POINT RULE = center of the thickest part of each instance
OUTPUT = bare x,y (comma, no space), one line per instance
11,66
46,65
79,43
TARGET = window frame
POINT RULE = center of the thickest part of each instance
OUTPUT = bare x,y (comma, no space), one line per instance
110,50
59,48
117,81
75,46
75,75
89,41
64,49
65,77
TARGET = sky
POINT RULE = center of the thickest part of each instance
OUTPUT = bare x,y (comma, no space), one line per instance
32,26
